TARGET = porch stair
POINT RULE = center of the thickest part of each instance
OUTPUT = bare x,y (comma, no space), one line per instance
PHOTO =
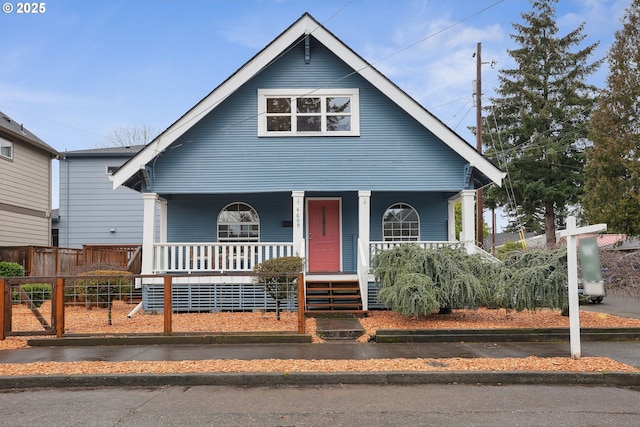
333,296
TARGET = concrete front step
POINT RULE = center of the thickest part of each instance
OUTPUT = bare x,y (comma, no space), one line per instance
339,328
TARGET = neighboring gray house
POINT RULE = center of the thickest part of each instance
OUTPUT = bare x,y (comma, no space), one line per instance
25,186
90,211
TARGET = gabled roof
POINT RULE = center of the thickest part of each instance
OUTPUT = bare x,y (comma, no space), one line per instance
307,25
119,151
12,129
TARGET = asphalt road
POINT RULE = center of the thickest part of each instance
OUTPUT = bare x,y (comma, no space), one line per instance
353,405
616,305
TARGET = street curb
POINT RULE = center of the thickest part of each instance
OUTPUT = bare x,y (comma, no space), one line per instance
231,338
504,335
382,336
603,379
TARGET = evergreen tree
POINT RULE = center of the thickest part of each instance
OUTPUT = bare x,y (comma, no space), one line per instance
612,173
536,127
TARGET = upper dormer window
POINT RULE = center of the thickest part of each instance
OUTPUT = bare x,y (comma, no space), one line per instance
6,148
295,112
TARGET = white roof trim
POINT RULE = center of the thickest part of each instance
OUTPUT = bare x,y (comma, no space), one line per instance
306,24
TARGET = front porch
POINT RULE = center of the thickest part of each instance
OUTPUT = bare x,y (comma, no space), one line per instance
202,264
350,245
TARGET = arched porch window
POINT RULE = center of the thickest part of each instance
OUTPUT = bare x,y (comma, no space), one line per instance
238,222
401,223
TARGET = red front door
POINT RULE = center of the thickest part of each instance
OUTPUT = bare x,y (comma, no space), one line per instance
324,235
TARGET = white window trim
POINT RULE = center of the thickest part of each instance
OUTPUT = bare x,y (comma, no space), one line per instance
7,143
263,94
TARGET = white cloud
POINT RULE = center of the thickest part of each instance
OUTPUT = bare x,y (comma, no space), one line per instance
438,70
20,95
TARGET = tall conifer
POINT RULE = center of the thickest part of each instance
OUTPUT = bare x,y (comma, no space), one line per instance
612,172
536,126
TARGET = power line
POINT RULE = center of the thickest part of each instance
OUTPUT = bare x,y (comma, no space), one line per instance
447,28
369,65
67,125
463,117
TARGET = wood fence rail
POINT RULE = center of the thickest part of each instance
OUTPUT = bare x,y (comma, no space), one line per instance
46,261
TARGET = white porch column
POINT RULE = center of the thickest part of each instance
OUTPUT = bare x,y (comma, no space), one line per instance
364,220
468,234
451,219
364,228
298,222
148,231
163,221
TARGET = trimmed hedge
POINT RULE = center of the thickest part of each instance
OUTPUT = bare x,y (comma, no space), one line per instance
96,291
37,292
11,269
277,275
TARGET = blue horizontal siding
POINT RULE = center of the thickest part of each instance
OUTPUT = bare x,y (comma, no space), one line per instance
193,218
432,209
222,152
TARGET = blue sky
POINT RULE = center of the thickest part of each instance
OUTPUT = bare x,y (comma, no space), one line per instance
83,68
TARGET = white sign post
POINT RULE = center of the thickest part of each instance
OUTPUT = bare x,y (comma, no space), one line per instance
572,266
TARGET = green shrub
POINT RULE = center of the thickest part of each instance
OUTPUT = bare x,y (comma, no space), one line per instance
11,269
416,281
37,293
278,276
100,291
533,279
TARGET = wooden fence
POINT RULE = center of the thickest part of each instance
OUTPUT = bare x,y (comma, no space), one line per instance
129,256
46,261
43,260
72,305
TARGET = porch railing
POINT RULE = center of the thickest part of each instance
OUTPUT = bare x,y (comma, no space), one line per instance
377,247
206,257
470,248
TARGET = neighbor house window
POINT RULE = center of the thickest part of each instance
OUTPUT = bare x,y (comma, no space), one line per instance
401,224
6,148
238,222
308,112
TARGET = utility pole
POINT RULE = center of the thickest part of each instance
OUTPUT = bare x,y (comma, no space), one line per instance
478,89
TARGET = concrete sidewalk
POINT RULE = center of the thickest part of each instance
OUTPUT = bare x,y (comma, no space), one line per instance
179,348
625,352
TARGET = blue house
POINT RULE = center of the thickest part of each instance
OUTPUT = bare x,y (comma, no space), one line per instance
305,150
